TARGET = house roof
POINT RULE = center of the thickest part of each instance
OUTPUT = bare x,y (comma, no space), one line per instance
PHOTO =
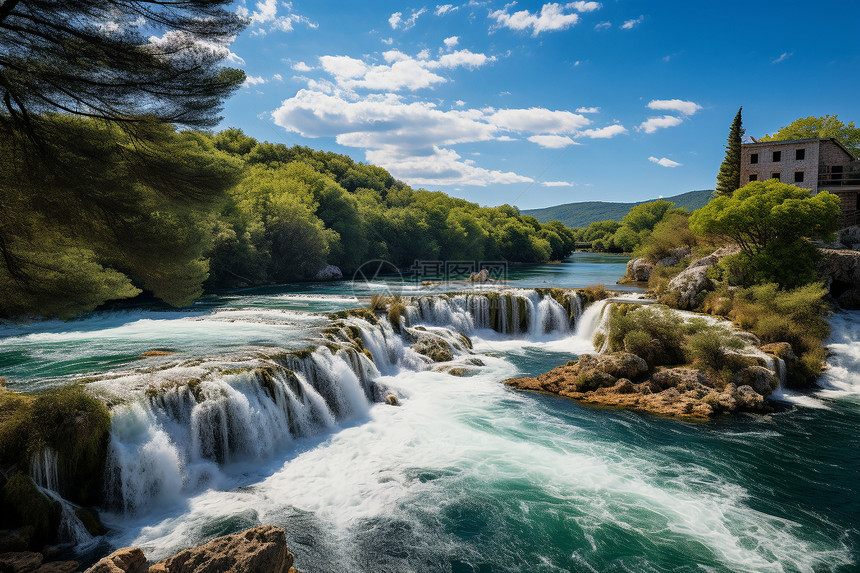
796,141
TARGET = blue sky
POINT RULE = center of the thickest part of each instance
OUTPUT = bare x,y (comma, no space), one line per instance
536,103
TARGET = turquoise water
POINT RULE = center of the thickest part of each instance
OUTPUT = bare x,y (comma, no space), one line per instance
470,476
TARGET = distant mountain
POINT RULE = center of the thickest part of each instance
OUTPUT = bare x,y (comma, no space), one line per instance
584,213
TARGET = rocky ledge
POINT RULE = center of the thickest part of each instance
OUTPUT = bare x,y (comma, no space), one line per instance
622,380
260,549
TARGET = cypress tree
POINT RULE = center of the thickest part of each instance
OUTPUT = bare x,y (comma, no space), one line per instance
729,177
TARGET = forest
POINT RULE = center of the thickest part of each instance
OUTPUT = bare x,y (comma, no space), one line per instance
97,213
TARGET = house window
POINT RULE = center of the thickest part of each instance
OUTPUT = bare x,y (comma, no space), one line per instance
753,177
800,154
777,156
798,176
754,158
774,176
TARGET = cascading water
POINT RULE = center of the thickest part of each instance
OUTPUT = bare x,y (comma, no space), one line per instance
45,474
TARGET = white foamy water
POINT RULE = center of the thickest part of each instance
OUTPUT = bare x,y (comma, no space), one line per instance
842,377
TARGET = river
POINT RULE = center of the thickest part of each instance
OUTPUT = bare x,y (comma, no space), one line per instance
465,475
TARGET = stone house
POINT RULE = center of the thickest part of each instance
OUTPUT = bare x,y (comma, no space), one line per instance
815,164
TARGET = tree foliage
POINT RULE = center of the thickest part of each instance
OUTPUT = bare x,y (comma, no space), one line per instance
116,60
729,176
818,127
770,221
633,229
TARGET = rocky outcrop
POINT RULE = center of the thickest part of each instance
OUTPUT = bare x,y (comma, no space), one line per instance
125,560
639,270
620,380
260,549
692,281
840,271
328,273
850,237
481,276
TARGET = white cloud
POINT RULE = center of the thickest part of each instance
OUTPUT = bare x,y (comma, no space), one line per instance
557,184
584,6
628,24
253,81
664,162
539,120
654,123
605,132
451,42
552,141
302,67
181,44
552,17
443,9
685,107
278,77
784,56
266,19
459,103
588,110
603,25
397,21
400,72
387,41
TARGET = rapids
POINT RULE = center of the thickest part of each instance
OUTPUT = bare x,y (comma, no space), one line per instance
265,414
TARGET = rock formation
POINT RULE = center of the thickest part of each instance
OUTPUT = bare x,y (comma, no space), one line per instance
840,270
694,280
328,273
260,549
620,380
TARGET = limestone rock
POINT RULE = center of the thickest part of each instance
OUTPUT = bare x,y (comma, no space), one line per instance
679,377
256,550
693,280
850,236
639,270
392,400
758,378
15,540
20,562
125,560
622,365
676,256
840,269
481,276
746,398
329,273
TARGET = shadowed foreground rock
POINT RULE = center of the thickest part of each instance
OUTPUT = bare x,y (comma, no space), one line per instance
608,380
257,550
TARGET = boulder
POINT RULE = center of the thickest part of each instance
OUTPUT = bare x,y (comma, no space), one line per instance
622,365
683,378
693,280
125,560
20,562
256,550
746,398
840,269
676,256
639,270
16,539
481,276
850,236
758,378
58,567
329,273
392,400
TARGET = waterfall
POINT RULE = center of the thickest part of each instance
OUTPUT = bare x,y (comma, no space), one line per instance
185,434
45,475
594,319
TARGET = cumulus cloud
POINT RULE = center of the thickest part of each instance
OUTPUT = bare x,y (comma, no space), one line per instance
400,71
443,9
588,110
552,141
451,42
302,67
664,162
628,24
685,107
398,22
265,17
652,124
179,43
539,120
278,77
557,183
552,17
605,132
253,81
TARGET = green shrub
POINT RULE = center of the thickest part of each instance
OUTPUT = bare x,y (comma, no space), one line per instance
638,342
711,349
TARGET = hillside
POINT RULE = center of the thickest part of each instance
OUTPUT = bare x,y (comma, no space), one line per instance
583,213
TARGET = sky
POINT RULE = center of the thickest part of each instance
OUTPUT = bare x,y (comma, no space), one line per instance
537,104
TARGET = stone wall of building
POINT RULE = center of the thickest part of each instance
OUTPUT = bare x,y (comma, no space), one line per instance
786,166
